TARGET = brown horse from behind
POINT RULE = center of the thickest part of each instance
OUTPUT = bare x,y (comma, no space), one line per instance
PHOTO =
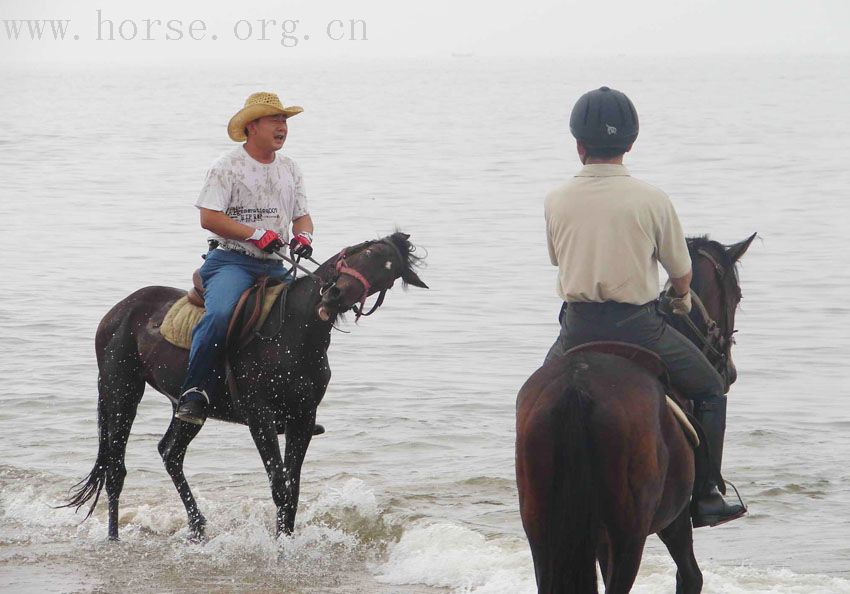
602,463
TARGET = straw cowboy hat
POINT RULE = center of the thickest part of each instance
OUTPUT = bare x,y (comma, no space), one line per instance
257,105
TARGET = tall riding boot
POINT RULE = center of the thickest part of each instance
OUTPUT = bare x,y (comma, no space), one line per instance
708,508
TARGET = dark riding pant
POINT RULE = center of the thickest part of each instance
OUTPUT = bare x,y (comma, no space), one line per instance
226,275
643,325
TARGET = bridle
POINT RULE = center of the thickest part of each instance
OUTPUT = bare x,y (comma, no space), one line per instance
342,268
716,339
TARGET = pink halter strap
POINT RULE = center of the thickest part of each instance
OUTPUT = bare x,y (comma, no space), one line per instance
342,268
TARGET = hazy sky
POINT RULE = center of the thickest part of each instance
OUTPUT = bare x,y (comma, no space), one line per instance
436,27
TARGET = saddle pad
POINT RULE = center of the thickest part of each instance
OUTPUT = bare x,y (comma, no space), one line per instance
182,317
684,422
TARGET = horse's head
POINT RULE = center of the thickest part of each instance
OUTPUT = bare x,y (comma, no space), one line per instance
367,268
715,281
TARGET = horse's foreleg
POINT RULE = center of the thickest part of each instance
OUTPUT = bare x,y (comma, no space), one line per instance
172,448
679,539
299,432
264,433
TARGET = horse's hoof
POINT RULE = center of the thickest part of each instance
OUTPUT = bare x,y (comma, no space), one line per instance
197,537
197,529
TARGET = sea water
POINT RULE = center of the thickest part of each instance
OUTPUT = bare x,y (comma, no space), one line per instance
411,490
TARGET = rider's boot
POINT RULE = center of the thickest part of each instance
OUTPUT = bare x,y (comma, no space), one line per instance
708,508
192,406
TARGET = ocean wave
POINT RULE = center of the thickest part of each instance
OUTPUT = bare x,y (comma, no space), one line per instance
451,556
345,526
455,557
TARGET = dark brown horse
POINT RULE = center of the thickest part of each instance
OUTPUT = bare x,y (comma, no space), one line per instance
602,463
281,375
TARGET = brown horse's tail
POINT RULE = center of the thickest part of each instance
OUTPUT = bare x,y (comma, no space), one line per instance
574,515
92,485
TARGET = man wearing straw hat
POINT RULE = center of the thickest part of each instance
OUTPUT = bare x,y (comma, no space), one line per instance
250,198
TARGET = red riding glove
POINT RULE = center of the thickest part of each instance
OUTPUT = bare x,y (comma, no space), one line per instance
268,241
302,245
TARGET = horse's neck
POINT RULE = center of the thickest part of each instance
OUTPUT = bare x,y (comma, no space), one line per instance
300,307
302,293
327,269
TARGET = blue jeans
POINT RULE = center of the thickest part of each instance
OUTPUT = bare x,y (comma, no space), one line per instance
689,370
225,275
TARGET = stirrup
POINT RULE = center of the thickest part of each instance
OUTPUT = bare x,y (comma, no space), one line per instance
733,511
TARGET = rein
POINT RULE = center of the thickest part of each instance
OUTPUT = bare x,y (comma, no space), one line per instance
715,344
296,265
712,335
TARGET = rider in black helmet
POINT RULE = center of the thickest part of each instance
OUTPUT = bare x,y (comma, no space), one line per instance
607,232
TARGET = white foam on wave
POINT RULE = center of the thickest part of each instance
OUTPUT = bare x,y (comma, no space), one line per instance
658,574
330,525
339,527
451,556
162,518
326,530
36,507
353,495
325,540
22,504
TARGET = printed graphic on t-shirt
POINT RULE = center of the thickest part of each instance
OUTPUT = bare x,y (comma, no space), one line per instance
250,216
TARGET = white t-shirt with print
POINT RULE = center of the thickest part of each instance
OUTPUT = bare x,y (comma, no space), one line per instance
264,196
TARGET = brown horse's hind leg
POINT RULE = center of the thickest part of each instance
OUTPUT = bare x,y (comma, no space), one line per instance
603,551
172,448
679,539
624,563
119,396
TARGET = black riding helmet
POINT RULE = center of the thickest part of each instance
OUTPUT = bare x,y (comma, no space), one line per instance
604,118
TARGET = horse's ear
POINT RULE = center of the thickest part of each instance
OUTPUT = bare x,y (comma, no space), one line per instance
411,278
737,251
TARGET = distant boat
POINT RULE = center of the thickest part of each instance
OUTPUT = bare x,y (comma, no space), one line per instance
461,55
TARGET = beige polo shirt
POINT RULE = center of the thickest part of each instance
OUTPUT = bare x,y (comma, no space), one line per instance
607,232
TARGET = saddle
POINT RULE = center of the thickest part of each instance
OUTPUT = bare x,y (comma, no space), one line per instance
680,407
248,317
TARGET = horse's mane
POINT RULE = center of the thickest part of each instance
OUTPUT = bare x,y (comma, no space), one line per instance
409,258
716,249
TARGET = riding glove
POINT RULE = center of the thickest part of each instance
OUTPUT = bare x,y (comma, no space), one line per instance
679,305
301,245
268,241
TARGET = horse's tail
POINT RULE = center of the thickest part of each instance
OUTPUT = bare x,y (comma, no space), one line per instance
92,485
573,531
